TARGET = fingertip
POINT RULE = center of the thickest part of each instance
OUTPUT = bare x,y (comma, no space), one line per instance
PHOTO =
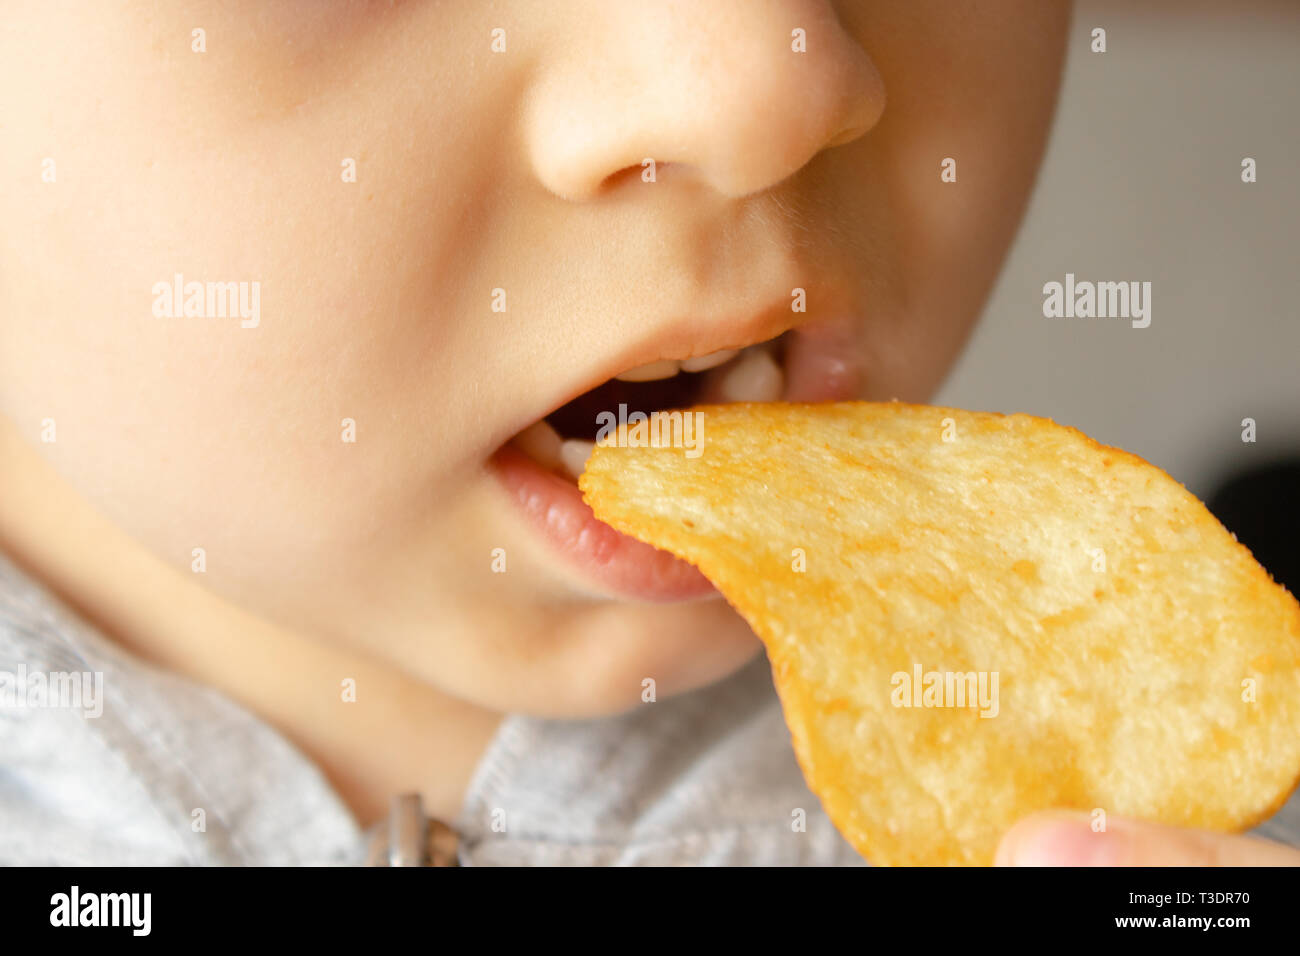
1052,838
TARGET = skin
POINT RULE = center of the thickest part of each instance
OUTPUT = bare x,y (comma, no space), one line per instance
1060,838
329,560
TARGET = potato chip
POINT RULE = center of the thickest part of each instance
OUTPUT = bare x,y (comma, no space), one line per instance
972,616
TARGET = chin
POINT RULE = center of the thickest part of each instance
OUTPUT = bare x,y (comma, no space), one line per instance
611,652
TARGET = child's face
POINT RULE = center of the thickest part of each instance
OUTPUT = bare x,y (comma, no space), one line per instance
478,171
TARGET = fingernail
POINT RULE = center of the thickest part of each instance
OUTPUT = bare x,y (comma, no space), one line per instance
1066,839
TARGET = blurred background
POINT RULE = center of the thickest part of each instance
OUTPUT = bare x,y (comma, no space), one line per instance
1142,181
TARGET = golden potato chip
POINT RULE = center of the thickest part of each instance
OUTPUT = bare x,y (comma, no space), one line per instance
972,616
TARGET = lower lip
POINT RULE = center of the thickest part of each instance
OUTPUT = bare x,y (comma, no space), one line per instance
817,370
615,563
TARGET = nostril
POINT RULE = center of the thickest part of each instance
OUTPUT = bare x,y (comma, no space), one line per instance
614,180
648,171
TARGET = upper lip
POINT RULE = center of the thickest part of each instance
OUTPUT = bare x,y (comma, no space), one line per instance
680,340
684,340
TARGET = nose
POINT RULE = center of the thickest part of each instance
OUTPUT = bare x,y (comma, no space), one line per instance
739,93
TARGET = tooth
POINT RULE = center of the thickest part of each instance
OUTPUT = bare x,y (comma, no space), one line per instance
701,362
574,454
541,443
664,368
754,378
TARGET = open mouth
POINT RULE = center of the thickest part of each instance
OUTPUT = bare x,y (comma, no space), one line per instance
540,465
562,441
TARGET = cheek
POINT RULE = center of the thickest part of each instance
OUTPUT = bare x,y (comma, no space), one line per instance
194,430
317,425
970,100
